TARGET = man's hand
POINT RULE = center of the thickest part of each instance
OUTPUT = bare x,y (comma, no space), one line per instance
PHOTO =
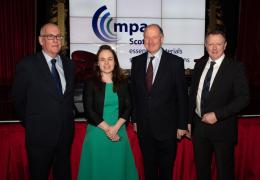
188,134
135,127
180,133
209,118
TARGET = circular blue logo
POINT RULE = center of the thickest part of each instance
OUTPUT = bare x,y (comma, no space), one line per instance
104,32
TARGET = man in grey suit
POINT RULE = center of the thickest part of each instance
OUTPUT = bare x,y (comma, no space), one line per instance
219,90
43,97
160,104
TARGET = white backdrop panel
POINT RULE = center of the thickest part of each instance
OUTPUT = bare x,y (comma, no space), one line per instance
183,31
183,9
139,8
86,8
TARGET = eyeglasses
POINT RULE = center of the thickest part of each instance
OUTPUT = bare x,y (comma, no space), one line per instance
52,37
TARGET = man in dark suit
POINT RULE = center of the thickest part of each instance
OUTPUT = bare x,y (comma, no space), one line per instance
219,90
43,97
160,104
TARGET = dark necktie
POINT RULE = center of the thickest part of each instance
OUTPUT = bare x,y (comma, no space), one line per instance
56,77
149,75
205,89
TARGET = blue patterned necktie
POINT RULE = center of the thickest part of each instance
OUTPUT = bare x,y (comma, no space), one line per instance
149,75
205,89
56,77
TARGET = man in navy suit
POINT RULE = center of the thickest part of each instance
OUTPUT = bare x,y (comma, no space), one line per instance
160,104
215,100
43,97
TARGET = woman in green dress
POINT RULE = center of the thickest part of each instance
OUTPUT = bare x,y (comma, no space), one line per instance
106,153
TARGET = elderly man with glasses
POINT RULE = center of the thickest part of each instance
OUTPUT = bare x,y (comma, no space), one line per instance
43,97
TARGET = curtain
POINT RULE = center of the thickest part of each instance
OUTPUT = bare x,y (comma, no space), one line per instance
17,39
17,29
248,48
17,35
230,19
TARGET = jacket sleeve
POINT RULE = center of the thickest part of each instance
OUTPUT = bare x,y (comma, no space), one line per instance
19,89
240,97
132,93
192,95
126,110
88,103
181,89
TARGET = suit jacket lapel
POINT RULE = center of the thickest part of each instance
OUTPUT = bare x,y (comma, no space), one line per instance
219,77
198,74
143,65
44,70
160,71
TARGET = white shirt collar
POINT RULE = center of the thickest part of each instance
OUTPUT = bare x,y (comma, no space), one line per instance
157,55
49,58
217,61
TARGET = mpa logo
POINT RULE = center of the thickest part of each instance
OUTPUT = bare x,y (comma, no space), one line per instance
102,28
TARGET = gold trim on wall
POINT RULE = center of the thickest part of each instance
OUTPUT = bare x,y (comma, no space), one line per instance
59,15
215,15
